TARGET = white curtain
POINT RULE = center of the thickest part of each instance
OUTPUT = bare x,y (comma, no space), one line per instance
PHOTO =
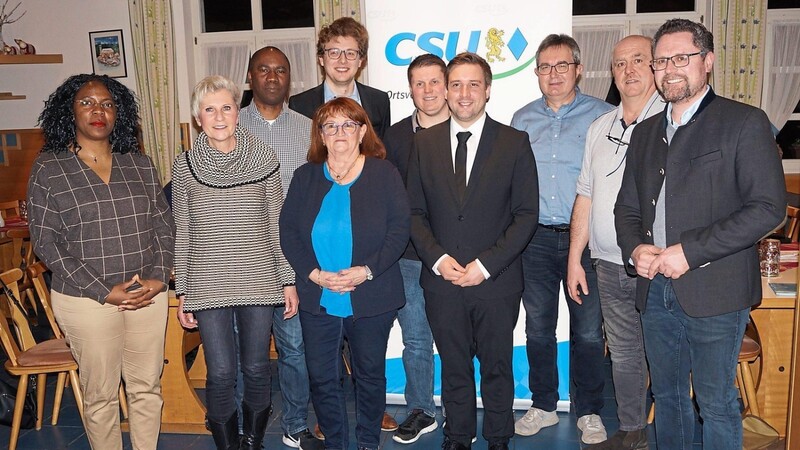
784,73
597,45
300,54
228,59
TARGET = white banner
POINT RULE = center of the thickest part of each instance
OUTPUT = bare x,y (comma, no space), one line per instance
506,34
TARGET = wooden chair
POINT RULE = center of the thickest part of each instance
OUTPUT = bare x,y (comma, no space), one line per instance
23,257
9,209
792,223
36,275
30,358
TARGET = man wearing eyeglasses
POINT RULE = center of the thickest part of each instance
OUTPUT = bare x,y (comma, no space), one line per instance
342,52
556,125
702,185
593,223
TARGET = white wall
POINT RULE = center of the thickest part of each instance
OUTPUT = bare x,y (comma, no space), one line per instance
60,26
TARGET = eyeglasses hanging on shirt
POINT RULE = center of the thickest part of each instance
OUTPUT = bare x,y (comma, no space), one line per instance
620,143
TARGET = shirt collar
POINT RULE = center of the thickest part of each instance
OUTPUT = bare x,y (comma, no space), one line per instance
689,111
475,128
329,95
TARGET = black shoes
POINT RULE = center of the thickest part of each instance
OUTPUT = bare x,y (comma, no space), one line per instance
624,440
310,442
415,425
453,445
499,446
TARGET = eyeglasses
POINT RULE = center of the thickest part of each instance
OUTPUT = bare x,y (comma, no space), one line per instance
332,129
90,103
620,143
336,53
680,60
562,67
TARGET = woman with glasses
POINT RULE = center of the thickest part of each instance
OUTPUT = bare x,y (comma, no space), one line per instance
229,265
344,226
99,221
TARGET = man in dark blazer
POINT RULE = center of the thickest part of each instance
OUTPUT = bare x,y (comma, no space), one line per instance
474,206
702,185
342,51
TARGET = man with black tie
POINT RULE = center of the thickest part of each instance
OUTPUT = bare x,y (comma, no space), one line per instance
474,206
342,53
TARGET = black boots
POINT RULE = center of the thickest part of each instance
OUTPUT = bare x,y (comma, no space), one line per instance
254,426
226,435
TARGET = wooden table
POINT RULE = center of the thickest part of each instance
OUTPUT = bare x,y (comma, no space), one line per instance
774,321
11,249
183,412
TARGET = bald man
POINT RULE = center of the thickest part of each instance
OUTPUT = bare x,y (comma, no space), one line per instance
592,223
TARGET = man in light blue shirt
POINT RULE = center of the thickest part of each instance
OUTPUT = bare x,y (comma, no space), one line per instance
557,124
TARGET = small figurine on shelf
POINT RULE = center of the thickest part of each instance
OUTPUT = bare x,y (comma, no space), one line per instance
6,18
25,48
9,49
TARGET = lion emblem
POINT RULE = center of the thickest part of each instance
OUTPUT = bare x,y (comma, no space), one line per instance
494,42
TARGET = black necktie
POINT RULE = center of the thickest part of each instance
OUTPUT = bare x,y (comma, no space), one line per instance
461,163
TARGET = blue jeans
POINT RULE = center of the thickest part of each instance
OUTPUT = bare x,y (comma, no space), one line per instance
544,264
706,347
216,330
292,373
367,337
417,341
623,327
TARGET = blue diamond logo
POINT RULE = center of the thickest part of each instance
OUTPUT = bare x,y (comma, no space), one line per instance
517,44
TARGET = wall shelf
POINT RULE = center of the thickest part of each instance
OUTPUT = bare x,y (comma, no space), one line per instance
10,96
31,59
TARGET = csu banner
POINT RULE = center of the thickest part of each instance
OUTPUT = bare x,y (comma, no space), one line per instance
506,34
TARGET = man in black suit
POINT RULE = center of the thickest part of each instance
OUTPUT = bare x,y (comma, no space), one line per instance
702,185
342,51
474,206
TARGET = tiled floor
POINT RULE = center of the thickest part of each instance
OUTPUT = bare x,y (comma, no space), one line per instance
69,433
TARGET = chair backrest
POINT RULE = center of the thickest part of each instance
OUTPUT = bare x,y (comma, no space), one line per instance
9,209
11,279
9,344
23,255
36,274
793,223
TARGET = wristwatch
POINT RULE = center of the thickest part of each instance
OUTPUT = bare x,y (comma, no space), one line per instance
369,273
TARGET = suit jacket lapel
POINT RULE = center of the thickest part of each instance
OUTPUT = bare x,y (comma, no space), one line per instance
488,136
443,158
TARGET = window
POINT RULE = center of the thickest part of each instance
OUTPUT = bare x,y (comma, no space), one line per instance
228,33
597,26
781,91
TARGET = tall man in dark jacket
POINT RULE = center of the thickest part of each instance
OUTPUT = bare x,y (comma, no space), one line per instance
342,53
702,185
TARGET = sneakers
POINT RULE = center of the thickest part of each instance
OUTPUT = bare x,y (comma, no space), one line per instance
536,419
593,431
416,424
293,440
311,443
624,440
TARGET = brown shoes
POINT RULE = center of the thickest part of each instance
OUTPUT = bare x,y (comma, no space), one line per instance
387,424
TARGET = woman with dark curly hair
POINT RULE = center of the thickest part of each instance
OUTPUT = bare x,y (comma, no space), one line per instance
100,222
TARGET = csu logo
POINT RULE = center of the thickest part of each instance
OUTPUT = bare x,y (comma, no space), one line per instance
402,47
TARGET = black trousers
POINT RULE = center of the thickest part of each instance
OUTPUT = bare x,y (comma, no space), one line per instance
464,327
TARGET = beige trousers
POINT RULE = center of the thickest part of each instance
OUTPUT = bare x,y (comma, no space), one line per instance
109,344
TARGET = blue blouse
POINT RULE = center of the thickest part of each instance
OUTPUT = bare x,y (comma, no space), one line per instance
332,239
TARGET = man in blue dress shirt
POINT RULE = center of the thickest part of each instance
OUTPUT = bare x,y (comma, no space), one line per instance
557,124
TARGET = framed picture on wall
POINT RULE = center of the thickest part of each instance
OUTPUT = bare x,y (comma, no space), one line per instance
108,53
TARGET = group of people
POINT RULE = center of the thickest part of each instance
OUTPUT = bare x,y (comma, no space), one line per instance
312,219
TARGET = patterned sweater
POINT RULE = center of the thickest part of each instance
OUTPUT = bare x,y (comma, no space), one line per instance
226,209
